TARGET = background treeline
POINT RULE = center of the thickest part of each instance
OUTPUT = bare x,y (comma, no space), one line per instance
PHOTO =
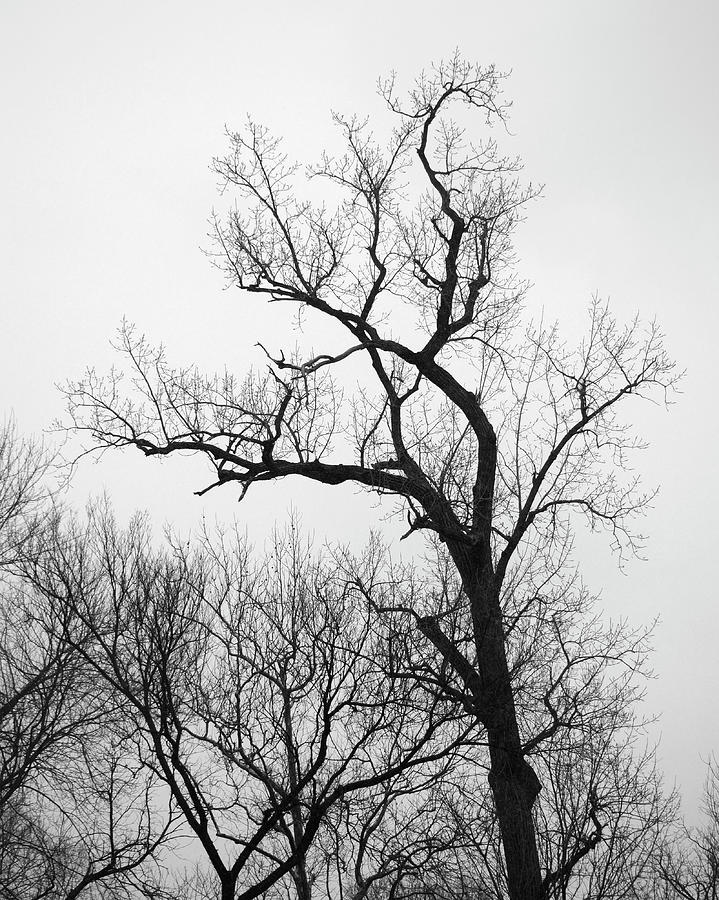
188,719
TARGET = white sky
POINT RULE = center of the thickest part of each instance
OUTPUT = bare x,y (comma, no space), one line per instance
112,112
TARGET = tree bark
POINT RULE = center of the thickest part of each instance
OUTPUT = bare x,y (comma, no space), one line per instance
514,783
227,890
302,884
515,788
512,780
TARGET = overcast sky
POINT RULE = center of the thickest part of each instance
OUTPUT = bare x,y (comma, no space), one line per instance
111,113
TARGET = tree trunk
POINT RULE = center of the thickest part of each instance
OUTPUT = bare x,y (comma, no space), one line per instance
512,780
514,788
514,784
227,891
302,884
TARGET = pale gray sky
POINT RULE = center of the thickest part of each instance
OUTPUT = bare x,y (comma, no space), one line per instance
112,112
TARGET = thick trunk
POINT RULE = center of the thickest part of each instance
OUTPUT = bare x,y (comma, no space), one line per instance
514,788
512,780
302,883
227,891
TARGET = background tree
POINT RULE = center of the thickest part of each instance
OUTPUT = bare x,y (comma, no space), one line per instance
24,490
687,862
74,818
489,430
260,694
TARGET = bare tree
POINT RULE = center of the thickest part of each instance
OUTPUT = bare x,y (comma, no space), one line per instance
73,818
24,490
93,831
687,862
490,432
36,670
262,695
